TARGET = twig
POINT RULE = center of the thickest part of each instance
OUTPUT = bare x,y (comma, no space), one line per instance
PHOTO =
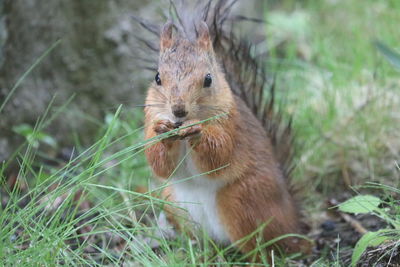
349,219
354,223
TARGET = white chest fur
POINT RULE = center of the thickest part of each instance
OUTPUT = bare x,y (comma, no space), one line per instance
197,194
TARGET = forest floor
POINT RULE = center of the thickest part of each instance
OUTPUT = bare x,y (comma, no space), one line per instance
86,206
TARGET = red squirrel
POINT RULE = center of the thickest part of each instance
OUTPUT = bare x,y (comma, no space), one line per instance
223,172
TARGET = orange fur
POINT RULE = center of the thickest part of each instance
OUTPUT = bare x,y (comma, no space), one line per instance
162,156
254,191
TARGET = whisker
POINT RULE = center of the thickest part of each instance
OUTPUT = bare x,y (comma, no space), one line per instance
207,106
213,108
156,101
160,103
161,93
148,105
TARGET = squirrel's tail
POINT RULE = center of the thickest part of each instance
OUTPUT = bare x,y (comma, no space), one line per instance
245,70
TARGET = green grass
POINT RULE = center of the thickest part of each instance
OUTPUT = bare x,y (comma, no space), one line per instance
73,214
343,93
344,96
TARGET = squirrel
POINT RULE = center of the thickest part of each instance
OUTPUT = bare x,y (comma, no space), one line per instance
225,175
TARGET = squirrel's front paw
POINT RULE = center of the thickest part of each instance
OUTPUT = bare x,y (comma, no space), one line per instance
163,126
191,132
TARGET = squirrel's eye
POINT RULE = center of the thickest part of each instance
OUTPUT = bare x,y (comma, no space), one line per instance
207,80
157,78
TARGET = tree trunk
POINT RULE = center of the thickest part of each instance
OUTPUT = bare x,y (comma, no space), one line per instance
93,62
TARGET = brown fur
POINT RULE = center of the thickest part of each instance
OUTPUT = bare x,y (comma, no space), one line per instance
236,142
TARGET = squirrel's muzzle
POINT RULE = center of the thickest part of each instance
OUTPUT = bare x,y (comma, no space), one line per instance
179,110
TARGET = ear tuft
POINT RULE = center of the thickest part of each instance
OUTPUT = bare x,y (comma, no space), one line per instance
166,36
203,39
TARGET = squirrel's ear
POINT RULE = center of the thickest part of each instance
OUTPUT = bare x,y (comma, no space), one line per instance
204,40
166,36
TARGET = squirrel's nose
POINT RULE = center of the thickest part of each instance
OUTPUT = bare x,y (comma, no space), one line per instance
179,111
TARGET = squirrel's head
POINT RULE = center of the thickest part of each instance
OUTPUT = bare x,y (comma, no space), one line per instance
189,83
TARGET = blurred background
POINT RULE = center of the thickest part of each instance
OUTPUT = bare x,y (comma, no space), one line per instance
94,64
67,66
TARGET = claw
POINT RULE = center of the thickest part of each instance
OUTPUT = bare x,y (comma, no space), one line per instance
163,126
190,131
